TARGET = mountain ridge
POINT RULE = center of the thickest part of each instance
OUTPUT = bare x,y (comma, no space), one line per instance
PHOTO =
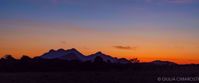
74,54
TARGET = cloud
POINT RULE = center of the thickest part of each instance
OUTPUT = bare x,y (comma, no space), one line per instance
63,42
125,47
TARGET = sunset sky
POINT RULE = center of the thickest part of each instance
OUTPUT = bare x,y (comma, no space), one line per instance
144,29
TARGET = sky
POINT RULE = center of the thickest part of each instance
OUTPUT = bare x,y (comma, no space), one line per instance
144,29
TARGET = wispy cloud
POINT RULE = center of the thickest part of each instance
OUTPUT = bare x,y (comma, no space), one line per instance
63,42
125,47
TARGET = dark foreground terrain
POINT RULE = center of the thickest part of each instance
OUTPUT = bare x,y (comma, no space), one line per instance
184,75
38,70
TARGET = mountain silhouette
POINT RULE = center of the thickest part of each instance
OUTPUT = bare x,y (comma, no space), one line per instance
73,60
105,58
74,54
159,62
70,54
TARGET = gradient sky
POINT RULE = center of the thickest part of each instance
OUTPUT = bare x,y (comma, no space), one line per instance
146,29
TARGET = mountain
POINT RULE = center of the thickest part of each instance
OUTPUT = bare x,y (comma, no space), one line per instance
159,62
70,54
105,58
123,61
73,54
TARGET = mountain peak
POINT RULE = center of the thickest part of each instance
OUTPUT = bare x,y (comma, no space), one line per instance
61,49
52,50
70,54
72,49
100,53
159,62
